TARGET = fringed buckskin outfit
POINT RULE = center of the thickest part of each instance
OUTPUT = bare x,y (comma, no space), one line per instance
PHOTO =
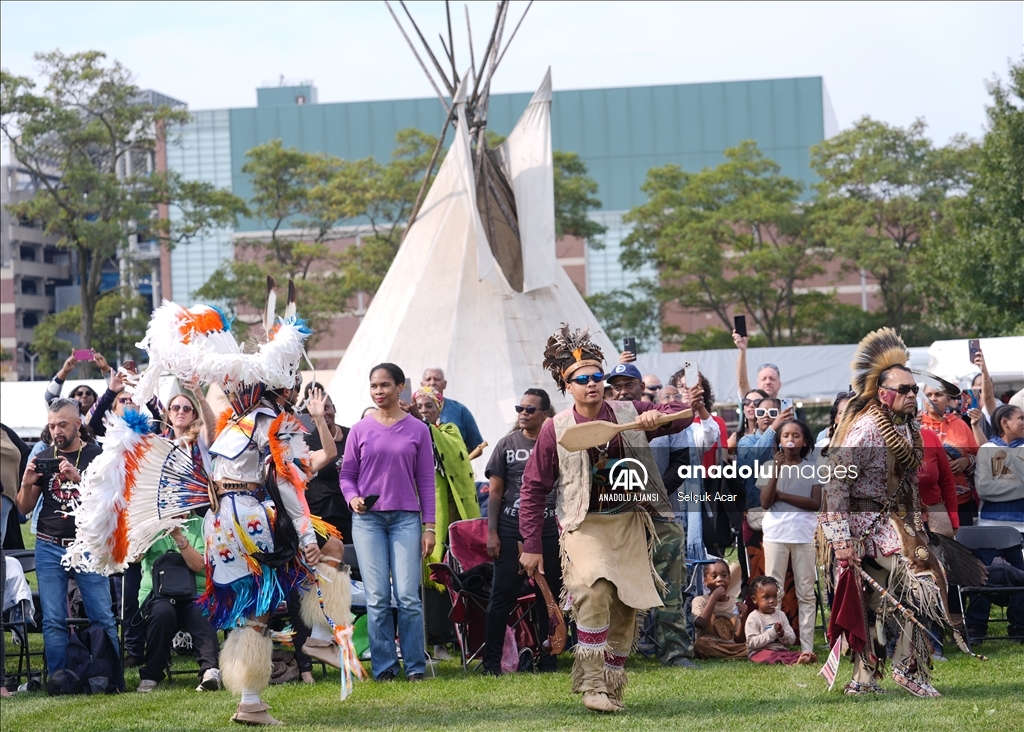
872,504
606,544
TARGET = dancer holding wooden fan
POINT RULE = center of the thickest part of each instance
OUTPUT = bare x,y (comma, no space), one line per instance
606,492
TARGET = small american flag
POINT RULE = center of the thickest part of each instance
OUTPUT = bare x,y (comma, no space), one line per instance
828,671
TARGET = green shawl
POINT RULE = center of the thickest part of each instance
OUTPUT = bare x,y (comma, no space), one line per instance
454,487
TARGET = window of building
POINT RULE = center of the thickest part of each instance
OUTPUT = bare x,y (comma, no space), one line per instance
28,287
29,320
27,253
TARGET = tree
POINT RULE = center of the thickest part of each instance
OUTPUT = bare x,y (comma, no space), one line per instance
90,140
315,193
885,193
574,196
636,313
980,282
120,318
729,236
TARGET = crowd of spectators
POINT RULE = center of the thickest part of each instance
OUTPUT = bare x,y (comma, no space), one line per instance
393,482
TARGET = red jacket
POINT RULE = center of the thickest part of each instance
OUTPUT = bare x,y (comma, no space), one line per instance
935,478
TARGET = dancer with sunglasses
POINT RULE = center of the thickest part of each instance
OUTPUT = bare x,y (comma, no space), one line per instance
607,539
873,522
505,473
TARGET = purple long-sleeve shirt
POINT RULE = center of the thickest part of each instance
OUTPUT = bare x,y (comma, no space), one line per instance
396,463
542,467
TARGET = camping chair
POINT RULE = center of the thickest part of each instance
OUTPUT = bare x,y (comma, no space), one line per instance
467,548
997,539
17,620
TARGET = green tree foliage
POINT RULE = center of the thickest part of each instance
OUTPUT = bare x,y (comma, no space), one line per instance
575,195
634,313
885,194
90,141
120,320
980,282
301,199
729,237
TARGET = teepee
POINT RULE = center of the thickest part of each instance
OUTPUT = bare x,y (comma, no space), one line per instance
476,287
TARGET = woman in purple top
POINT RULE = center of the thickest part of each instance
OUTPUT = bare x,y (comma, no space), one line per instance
387,478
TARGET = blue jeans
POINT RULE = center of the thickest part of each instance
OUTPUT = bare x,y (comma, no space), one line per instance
53,599
388,547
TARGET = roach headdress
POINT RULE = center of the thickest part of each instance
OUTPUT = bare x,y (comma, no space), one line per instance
878,351
569,350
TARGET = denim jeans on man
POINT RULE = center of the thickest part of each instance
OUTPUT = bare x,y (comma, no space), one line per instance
388,547
53,599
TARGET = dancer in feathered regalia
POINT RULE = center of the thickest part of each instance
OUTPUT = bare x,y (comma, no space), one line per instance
892,573
259,535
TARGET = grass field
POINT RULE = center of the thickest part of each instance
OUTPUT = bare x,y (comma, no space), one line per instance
720,696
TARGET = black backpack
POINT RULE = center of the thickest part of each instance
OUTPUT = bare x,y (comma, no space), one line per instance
94,660
172,578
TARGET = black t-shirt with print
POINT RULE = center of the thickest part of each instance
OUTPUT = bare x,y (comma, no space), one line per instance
58,496
508,462
323,492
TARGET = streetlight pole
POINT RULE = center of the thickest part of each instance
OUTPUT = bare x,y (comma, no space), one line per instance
31,362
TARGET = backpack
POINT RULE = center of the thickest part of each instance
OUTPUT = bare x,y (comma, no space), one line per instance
93,659
172,578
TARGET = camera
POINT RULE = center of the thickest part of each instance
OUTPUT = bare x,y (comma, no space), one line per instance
47,466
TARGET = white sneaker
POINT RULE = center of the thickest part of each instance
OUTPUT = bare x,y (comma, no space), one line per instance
441,653
146,686
211,680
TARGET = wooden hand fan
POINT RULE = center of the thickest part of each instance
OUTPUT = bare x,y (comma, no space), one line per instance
591,434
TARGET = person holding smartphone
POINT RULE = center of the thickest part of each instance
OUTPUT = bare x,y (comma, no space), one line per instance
389,459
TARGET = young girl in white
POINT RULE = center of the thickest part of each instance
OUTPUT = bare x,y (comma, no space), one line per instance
792,498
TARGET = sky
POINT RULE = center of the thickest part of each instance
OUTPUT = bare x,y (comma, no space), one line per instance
893,61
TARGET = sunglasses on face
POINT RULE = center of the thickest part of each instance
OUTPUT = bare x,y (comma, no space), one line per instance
584,379
748,402
181,408
903,389
762,412
529,410
123,400
653,387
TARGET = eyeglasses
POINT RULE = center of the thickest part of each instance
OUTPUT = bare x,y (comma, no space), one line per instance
181,408
529,410
672,398
584,379
762,412
903,389
123,400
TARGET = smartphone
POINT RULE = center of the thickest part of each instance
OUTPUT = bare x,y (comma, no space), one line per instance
83,354
47,466
973,348
691,374
739,324
370,500
629,344
785,404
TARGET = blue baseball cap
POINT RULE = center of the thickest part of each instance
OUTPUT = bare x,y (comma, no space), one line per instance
625,369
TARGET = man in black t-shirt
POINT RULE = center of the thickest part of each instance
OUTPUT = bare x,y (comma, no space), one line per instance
505,472
56,531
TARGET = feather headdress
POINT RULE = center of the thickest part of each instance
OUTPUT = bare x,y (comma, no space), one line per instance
568,350
879,350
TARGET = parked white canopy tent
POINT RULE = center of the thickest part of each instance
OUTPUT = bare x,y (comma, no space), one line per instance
447,300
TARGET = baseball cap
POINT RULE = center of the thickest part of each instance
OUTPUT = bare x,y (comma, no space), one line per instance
625,369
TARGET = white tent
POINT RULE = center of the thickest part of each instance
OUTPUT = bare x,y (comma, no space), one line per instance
446,300
1004,358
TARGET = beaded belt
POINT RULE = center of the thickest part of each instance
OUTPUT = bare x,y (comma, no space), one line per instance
64,543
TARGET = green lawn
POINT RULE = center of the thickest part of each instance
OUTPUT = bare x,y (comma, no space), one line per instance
721,696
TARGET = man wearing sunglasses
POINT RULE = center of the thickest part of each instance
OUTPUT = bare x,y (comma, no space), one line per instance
874,521
607,533
505,473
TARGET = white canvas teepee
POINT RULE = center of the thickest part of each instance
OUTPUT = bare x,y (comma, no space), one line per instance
446,300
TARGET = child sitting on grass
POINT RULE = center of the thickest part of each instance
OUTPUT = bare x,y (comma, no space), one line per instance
769,633
717,618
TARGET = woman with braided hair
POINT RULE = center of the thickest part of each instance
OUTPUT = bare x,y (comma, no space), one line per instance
607,538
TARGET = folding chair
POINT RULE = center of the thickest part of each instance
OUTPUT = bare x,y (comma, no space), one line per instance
17,621
467,549
994,539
